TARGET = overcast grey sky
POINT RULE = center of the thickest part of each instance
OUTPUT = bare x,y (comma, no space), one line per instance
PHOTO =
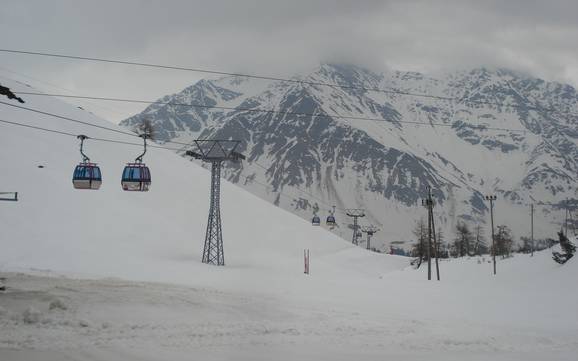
278,38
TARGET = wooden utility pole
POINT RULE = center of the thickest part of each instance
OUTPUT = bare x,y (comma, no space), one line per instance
532,229
572,223
492,198
425,203
428,244
429,204
566,220
435,240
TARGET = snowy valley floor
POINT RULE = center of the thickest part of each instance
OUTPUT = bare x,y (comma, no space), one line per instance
526,313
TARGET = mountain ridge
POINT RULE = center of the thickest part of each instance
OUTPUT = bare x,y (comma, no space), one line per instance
495,140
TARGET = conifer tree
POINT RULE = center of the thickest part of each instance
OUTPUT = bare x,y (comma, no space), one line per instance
568,249
419,247
480,246
463,241
504,241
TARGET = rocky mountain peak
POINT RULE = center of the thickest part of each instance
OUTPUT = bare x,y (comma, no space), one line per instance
314,146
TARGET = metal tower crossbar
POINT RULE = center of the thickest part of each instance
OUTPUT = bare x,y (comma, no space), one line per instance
215,152
355,213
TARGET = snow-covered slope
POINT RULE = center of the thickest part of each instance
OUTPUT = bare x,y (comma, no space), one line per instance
525,313
153,236
501,138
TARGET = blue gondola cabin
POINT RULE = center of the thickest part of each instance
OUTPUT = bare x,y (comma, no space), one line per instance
87,176
136,177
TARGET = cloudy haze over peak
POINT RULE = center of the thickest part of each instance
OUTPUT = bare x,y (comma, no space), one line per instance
279,38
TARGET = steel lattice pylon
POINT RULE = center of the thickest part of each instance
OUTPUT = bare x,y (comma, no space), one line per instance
215,152
355,213
370,230
213,251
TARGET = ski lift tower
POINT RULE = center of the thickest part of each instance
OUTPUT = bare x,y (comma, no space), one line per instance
355,213
215,152
370,230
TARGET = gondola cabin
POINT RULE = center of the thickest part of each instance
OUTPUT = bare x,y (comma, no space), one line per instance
315,221
87,176
136,177
330,221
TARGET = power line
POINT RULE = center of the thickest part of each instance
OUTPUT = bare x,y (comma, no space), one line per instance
263,77
267,111
301,190
80,121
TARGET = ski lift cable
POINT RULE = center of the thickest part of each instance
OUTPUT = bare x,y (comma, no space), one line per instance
80,121
140,145
89,124
547,204
266,186
68,118
75,135
98,126
263,77
303,191
284,194
60,88
267,111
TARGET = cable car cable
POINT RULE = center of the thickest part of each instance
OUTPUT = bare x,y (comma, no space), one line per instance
75,135
68,118
270,111
180,149
83,122
51,85
263,77
157,147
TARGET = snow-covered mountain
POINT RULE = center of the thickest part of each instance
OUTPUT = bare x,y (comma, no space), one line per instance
509,135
